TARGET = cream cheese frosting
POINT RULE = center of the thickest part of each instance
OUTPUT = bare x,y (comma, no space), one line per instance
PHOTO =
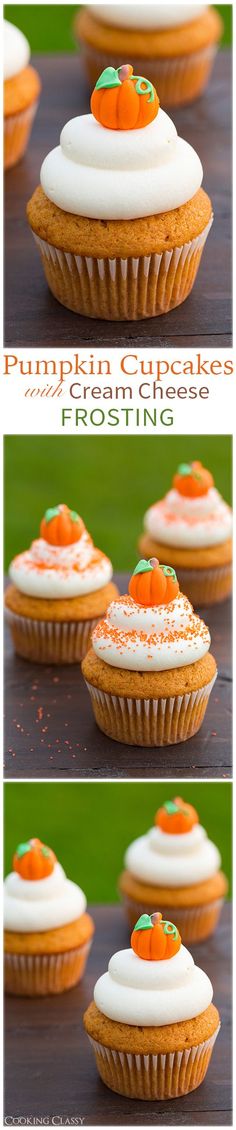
16,50
108,174
135,991
191,523
147,17
159,638
43,904
55,572
168,860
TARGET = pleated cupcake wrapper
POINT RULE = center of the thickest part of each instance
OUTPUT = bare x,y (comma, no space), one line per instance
44,641
44,974
193,922
17,128
206,586
122,289
150,722
176,80
161,1076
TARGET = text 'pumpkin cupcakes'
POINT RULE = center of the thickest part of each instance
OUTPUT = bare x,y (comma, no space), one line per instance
149,671
120,218
21,92
175,866
174,43
47,931
152,1024
197,524
61,587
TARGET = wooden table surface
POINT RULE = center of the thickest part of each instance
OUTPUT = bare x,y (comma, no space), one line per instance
32,315
50,730
50,1067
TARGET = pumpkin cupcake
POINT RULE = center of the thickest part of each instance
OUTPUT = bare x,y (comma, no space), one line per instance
175,44
60,588
177,867
22,88
149,671
152,1024
195,522
47,931
120,218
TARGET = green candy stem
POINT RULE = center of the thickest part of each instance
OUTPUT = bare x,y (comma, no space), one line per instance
74,516
168,571
169,928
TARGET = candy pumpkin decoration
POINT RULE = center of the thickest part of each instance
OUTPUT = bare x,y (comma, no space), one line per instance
153,584
33,860
61,526
154,938
121,100
176,817
192,480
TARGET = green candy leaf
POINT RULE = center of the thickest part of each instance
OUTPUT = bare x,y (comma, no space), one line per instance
171,807
142,567
51,513
74,516
22,849
184,469
144,923
108,79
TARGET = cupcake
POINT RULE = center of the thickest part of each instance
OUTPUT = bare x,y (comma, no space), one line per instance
151,1024
60,588
174,43
120,218
177,867
149,671
196,524
47,931
22,88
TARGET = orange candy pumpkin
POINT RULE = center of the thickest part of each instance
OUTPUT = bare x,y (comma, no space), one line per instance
122,100
152,583
33,860
192,480
176,817
154,938
61,526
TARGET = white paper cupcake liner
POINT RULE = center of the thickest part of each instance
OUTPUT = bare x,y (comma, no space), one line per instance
44,641
177,80
150,722
122,289
206,586
193,922
17,129
37,975
154,1076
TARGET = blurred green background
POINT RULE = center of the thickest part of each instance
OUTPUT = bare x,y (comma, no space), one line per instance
89,825
109,480
49,27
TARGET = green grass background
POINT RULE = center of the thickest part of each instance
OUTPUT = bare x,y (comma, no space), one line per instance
90,824
49,27
110,480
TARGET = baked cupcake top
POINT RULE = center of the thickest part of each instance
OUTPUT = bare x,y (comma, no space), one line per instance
147,16
155,982
16,50
37,894
193,515
176,852
124,160
63,562
154,627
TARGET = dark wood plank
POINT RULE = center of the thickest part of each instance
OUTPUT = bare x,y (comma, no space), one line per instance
32,315
50,731
49,1065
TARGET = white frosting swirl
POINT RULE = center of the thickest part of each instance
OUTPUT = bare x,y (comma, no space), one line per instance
134,991
147,17
42,904
55,572
191,523
120,174
168,860
151,639
16,50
